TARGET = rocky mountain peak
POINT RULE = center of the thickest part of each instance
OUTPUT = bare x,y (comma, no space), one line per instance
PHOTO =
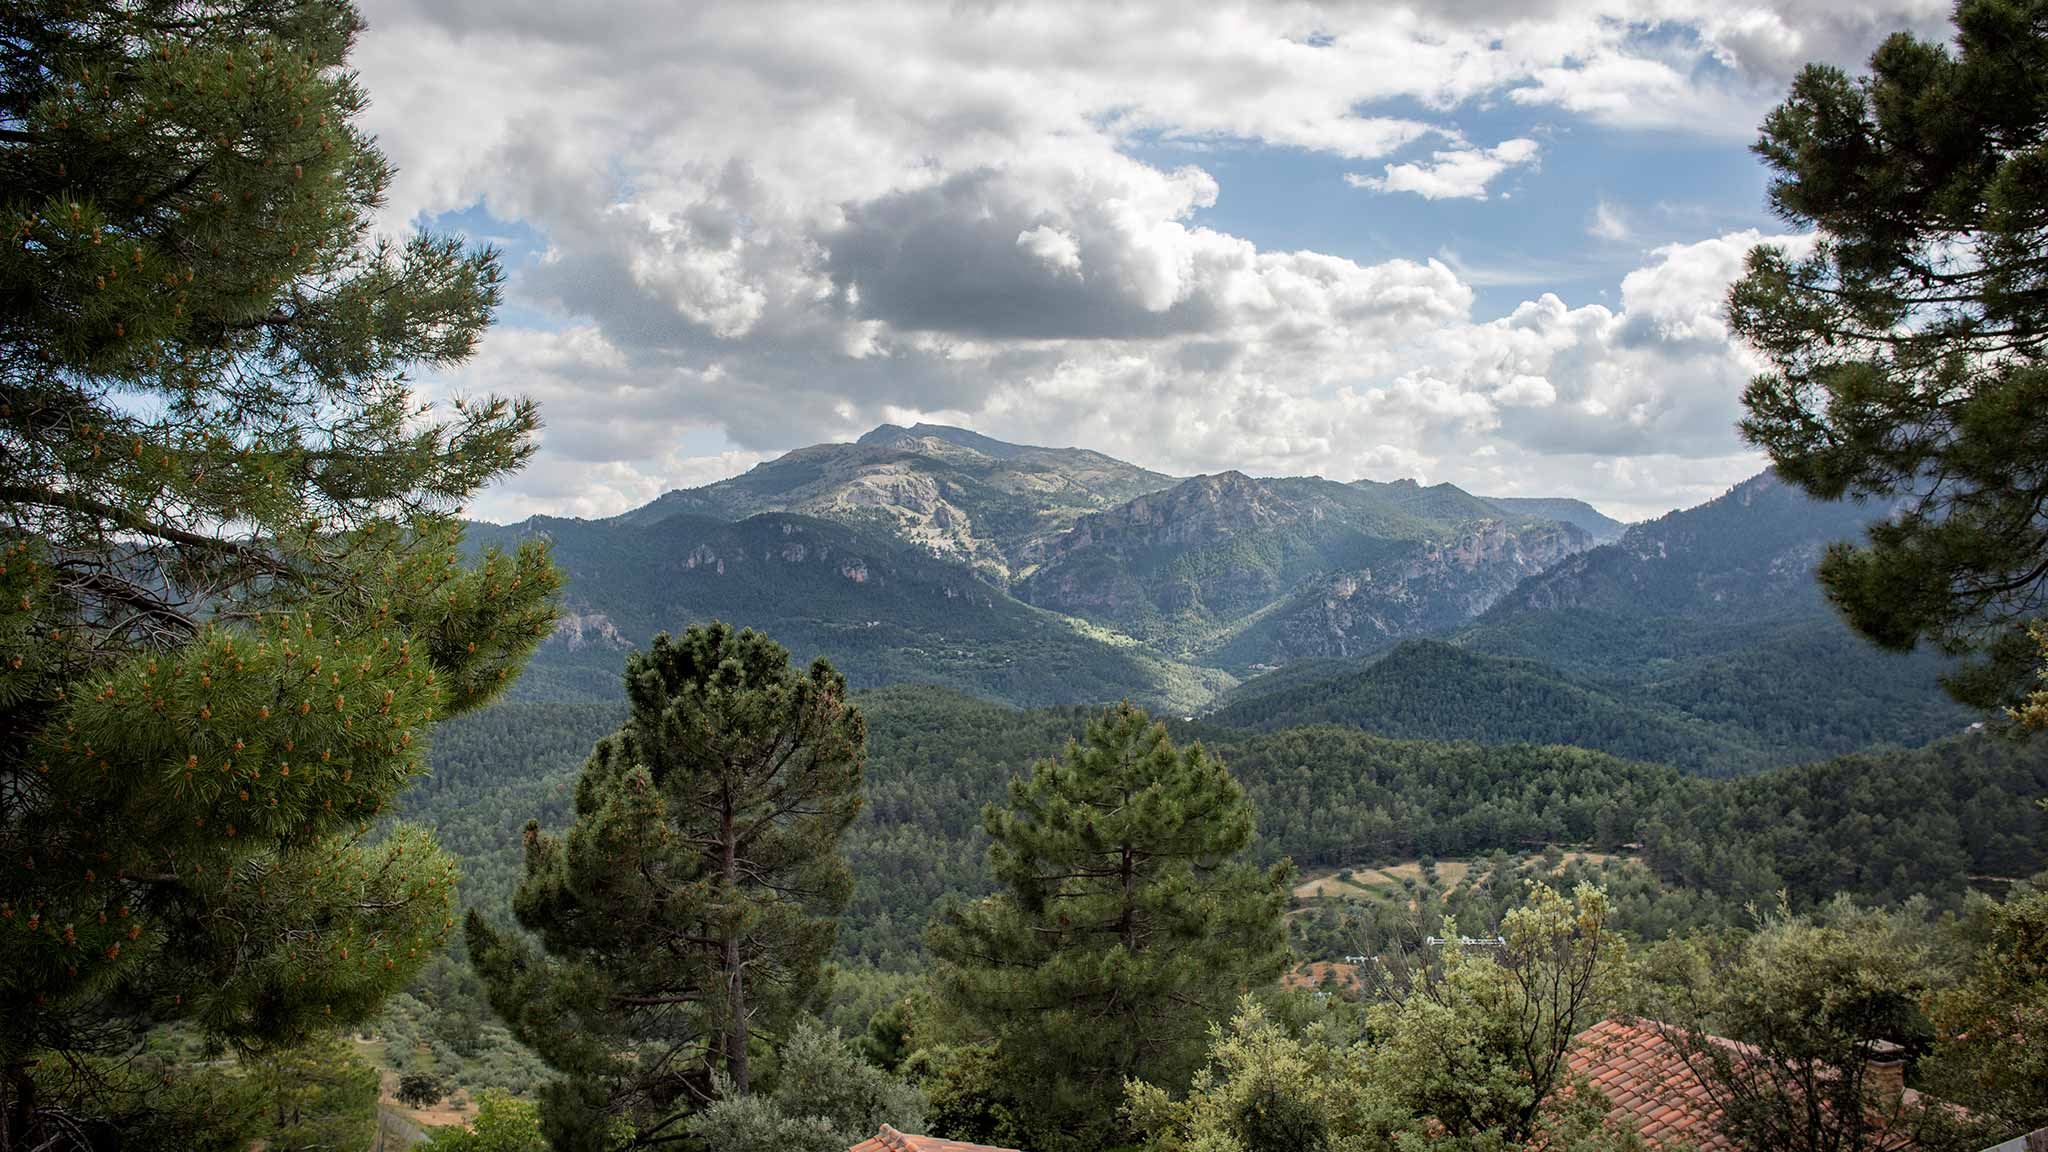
930,435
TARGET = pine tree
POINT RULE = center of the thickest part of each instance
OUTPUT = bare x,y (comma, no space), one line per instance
1906,351
688,912
1125,925
232,595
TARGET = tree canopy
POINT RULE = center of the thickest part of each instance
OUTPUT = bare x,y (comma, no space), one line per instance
1125,922
690,907
1906,341
232,598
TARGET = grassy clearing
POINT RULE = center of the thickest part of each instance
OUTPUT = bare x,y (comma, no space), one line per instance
1385,879
455,1108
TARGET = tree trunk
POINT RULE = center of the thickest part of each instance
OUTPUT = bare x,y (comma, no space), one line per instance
17,1103
17,1107
1127,923
735,985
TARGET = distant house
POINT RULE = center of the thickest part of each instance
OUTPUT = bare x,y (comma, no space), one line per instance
1655,1087
890,1140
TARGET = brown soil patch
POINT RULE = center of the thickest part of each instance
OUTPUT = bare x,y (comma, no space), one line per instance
1311,975
454,1108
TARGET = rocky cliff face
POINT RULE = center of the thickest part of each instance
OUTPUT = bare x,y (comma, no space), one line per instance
954,494
1433,588
575,631
1753,550
1270,570
1204,510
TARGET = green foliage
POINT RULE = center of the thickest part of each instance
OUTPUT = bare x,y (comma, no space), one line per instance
1473,1058
935,760
1883,826
1990,1059
891,1033
2033,712
1125,922
420,1090
442,1027
1480,1048
826,1099
503,1124
231,594
1428,690
1900,371
1810,995
691,903
1267,1089
970,1096
320,1096
170,1093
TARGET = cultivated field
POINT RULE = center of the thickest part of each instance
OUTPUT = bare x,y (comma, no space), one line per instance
1326,883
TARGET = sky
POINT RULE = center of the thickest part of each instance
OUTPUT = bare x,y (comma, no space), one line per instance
1475,241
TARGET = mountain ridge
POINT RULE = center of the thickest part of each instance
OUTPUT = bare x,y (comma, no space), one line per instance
1215,552
1708,618
1023,575
952,491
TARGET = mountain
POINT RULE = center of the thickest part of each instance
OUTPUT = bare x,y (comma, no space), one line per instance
1032,576
1602,528
1752,548
955,493
1253,571
1429,690
1705,625
882,610
1229,571
1433,588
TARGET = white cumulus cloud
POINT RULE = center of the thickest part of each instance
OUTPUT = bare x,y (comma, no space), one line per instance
1455,174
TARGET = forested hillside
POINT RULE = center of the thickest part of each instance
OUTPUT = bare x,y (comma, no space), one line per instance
1430,690
1697,640
884,610
1880,825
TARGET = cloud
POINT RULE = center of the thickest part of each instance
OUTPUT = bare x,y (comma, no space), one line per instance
1058,250
1456,174
1312,364
768,224
1526,392
1608,223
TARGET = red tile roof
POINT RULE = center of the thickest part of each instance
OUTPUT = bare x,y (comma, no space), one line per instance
890,1140
1648,1084
1653,1085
